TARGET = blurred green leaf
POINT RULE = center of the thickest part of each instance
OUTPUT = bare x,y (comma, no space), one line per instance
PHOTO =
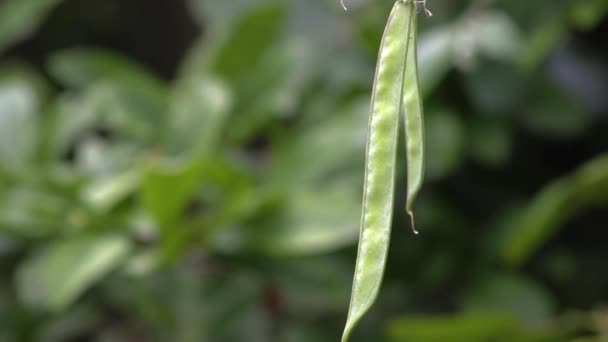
19,122
135,90
72,323
235,50
497,37
168,301
542,217
490,141
555,114
251,58
496,87
33,213
58,274
518,296
270,91
20,71
219,13
103,194
445,135
80,67
249,40
336,144
238,208
436,50
490,34
167,187
311,283
542,40
587,14
19,18
198,113
553,206
104,128
472,327
310,221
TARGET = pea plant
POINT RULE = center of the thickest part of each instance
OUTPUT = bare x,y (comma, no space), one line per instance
396,90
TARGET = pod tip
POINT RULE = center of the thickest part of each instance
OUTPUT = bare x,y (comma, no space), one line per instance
413,222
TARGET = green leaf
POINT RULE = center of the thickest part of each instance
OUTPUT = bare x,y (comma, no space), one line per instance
236,50
133,89
538,221
445,143
542,40
472,327
313,284
517,295
555,114
81,67
271,90
19,122
310,221
19,18
436,50
265,72
218,13
337,144
198,112
586,15
132,124
167,187
497,36
33,213
249,40
57,275
103,194
496,87
490,141
551,208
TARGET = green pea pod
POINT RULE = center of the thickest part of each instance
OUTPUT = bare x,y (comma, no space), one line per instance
380,163
413,119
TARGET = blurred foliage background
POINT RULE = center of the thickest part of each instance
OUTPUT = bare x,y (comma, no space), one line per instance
178,170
